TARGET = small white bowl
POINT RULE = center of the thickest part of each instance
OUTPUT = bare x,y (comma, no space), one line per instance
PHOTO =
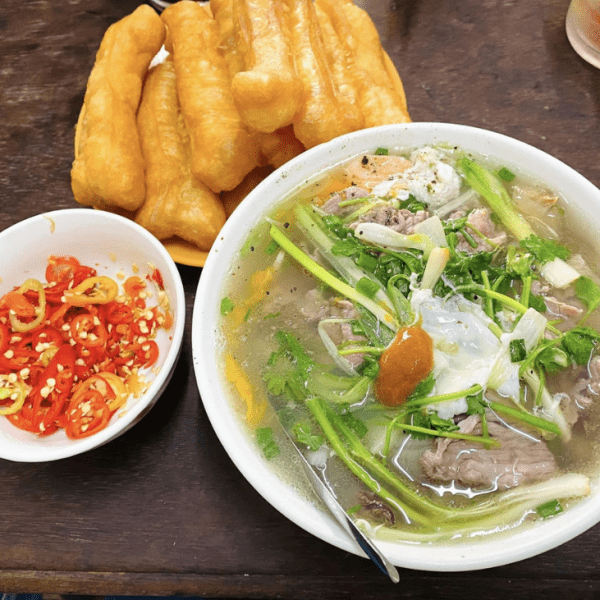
583,205
112,245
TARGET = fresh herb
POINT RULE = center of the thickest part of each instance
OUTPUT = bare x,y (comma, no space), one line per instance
517,349
382,152
303,435
518,263
505,174
267,443
272,247
544,250
579,343
275,382
588,292
367,287
412,204
490,187
226,306
552,359
423,388
549,509
369,367
354,423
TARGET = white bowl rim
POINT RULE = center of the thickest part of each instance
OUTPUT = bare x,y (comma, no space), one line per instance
482,553
131,415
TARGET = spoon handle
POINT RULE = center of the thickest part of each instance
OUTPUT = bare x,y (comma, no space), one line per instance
367,546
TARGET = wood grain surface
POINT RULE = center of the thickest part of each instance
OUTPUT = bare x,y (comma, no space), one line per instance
162,510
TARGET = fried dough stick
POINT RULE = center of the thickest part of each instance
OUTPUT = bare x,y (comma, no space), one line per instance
267,91
108,170
340,60
177,203
325,113
223,151
281,145
381,97
223,14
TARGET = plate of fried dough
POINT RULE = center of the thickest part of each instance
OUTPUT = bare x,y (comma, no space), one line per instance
187,111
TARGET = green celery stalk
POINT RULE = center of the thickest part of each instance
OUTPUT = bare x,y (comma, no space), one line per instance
388,319
489,186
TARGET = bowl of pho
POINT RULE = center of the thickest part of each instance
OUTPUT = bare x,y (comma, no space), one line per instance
417,305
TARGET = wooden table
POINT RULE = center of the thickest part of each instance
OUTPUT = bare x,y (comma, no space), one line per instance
162,510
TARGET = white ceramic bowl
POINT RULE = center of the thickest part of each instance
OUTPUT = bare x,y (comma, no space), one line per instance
583,200
111,244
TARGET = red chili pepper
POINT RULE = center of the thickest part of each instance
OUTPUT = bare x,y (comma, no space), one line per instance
18,303
61,268
118,313
47,335
49,396
89,416
113,338
88,331
5,336
156,276
148,353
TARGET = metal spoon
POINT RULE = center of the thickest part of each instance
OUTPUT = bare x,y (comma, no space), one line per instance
328,497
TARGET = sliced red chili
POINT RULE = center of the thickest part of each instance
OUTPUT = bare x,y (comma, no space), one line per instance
88,331
50,394
118,313
148,353
19,304
89,416
5,336
61,268
47,335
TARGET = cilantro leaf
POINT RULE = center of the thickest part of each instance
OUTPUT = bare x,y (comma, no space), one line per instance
544,250
588,292
579,343
412,204
433,422
476,405
275,382
552,360
354,423
423,388
303,434
267,443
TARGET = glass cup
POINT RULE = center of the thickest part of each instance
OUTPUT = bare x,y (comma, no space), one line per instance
583,29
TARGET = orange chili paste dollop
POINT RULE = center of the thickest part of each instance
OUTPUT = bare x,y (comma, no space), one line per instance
403,364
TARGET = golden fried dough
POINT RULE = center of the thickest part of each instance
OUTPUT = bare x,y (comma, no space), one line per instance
267,91
325,113
226,45
280,146
108,169
232,199
223,151
177,203
378,96
340,61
